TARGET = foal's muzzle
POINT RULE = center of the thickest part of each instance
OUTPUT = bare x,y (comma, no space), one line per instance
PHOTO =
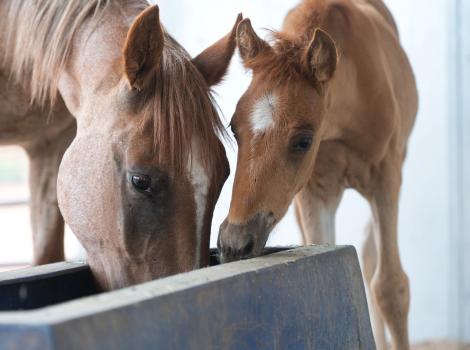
237,242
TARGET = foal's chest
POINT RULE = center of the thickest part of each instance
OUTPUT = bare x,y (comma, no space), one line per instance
338,166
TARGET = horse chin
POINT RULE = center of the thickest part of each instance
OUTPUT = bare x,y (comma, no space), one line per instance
114,273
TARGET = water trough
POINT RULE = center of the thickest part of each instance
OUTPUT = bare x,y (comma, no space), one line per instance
305,298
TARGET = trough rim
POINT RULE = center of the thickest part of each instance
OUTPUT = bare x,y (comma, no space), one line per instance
31,273
132,296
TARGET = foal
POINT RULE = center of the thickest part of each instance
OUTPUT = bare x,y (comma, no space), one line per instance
331,106
139,181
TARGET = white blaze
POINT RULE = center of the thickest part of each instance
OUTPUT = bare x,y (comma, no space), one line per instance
200,181
262,116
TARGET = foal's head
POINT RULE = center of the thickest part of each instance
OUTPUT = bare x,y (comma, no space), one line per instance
139,183
278,126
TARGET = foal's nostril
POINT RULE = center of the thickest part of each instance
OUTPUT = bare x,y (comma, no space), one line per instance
234,242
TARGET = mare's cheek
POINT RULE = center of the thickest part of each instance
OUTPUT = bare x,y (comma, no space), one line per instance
85,190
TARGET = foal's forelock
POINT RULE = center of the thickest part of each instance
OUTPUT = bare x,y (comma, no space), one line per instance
283,62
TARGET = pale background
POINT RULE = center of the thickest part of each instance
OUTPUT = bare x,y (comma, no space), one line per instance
425,224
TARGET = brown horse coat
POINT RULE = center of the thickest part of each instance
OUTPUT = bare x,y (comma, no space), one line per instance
331,106
143,164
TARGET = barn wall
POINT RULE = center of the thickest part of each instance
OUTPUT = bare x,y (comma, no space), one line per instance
431,235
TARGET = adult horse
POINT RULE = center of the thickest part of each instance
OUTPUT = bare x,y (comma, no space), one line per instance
331,105
139,181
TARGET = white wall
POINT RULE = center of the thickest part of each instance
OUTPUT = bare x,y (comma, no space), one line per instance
424,211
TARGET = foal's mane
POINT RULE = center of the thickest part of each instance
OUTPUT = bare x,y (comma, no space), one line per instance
178,105
287,62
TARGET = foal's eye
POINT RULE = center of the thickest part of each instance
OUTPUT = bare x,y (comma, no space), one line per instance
141,182
302,144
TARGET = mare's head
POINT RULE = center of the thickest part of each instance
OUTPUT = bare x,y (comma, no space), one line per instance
278,126
139,183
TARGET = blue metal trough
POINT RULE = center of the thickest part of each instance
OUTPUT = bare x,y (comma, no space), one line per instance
305,298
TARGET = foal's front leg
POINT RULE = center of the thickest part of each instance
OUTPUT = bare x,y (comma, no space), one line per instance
317,203
316,214
47,223
390,285
369,265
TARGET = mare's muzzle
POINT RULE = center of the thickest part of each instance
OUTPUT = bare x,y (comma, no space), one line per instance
237,242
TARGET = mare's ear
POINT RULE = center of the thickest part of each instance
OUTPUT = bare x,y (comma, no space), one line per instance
214,61
249,43
320,57
143,48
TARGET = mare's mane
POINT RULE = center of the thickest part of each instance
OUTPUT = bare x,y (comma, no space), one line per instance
178,105
39,40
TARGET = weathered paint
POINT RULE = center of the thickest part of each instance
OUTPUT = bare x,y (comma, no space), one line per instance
307,298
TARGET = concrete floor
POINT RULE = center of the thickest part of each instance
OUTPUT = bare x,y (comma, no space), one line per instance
441,345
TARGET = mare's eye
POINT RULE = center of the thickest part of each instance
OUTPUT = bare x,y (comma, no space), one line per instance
302,144
141,182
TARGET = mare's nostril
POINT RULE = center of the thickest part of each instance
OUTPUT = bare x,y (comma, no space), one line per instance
227,251
248,249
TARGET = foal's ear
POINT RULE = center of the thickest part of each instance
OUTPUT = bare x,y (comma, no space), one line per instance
249,43
320,57
214,61
143,48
